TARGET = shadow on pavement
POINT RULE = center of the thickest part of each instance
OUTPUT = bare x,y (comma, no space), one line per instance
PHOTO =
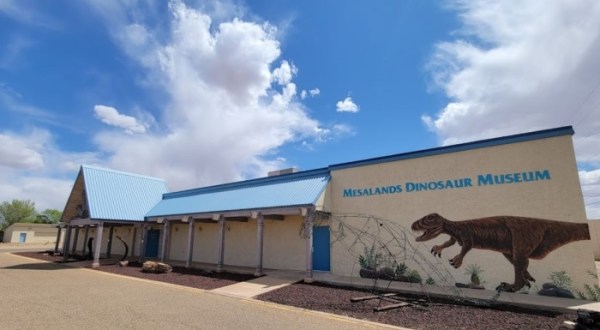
38,266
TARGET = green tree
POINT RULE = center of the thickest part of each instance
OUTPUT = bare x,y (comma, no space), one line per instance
53,215
17,211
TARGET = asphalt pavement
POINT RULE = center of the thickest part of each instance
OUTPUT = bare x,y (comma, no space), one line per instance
41,295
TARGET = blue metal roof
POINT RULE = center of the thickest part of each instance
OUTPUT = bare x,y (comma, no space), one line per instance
116,195
288,190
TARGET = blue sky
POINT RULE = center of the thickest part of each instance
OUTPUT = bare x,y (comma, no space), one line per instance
204,92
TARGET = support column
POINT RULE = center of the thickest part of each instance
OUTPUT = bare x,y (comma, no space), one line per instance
111,229
85,239
260,229
144,238
66,244
165,240
75,239
133,240
57,239
190,245
308,221
97,245
221,257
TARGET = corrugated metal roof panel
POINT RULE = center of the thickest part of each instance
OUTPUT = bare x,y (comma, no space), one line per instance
290,190
116,195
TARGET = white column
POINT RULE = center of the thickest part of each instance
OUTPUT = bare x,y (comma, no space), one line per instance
309,242
260,228
165,241
190,245
221,249
97,244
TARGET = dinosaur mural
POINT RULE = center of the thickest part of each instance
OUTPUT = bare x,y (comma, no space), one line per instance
517,238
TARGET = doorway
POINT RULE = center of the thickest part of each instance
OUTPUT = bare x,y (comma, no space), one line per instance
152,243
321,249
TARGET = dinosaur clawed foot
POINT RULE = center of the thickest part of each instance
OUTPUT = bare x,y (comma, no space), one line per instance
456,261
436,250
511,287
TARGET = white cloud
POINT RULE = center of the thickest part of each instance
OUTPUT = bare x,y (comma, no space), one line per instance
520,66
313,92
283,74
22,152
347,105
590,185
111,116
231,99
33,167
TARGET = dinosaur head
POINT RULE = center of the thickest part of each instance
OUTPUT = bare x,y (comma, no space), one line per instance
431,225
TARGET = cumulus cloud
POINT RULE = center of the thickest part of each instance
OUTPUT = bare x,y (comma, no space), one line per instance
111,116
521,66
231,99
346,105
22,152
33,167
313,92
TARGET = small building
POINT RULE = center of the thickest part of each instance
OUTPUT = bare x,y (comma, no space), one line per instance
30,233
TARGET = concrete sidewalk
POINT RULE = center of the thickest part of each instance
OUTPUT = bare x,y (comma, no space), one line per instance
272,280
532,301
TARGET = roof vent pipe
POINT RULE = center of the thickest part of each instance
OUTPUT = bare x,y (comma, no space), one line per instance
283,171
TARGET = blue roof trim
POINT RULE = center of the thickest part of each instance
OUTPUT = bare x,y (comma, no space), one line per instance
110,170
537,135
322,190
248,183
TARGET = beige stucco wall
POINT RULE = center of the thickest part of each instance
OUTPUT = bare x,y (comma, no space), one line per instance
36,233
557,199
283,247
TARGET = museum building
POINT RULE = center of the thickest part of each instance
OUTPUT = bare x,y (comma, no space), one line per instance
511,206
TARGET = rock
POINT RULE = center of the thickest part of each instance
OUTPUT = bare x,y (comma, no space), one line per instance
124,263
470,286
367,273
476,286
556,292
564,293
156,267
386,273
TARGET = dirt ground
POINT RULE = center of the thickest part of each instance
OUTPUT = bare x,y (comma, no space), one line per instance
434,314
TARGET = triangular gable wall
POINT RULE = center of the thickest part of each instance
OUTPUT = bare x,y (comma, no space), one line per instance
76,198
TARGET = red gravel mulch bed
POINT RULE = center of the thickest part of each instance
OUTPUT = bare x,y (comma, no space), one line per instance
439,314
195,278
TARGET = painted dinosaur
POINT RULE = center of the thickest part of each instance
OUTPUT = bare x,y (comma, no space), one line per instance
517,238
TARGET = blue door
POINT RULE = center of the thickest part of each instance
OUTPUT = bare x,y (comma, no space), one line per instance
152,243
320,255
22,237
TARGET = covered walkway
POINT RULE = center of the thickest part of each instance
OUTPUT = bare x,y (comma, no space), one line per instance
257,219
